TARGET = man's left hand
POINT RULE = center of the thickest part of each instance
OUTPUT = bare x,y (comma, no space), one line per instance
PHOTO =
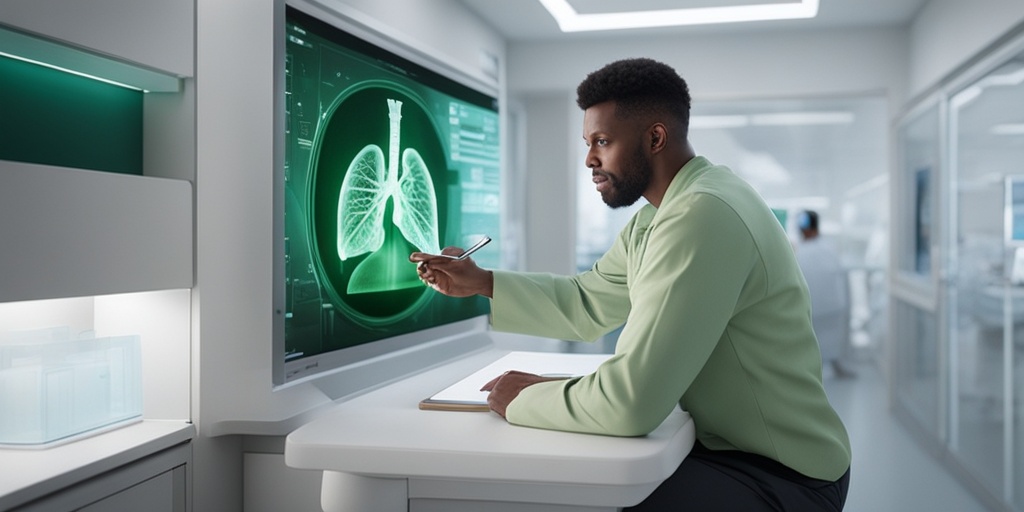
507,386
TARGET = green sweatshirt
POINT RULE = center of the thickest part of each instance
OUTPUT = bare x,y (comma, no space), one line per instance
717,320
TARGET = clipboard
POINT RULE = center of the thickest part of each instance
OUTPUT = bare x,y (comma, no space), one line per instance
465,395
430,404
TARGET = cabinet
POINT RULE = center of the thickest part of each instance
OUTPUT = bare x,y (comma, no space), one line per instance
75,239
145,466
70,232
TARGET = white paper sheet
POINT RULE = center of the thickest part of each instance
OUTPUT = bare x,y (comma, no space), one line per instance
540,363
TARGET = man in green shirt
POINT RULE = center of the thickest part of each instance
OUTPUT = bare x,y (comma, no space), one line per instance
716,315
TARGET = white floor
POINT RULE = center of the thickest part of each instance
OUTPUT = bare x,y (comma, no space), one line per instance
891,472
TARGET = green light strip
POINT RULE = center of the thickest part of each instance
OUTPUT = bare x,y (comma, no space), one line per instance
71,71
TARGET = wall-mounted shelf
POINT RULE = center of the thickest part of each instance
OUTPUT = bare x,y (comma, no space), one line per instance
41,51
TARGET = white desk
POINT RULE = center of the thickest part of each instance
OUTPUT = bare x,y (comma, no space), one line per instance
379,452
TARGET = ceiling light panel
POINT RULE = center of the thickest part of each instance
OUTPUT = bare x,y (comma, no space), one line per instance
1007,129
773,119
609,6
569,20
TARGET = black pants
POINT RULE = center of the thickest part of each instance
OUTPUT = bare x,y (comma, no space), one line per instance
729,481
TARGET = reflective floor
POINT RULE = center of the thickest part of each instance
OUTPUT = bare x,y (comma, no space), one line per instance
891,471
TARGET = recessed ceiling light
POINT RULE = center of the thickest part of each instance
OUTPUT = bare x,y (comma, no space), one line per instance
775,119
718,122
801,118
1007,129
571,21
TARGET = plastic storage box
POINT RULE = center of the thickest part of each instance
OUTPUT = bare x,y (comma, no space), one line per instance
55,388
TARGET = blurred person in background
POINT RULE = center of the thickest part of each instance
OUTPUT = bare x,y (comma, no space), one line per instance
830,295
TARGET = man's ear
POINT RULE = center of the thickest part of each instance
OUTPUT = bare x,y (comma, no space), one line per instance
659,137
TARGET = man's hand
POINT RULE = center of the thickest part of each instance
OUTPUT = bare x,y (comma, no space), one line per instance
455,278
507,386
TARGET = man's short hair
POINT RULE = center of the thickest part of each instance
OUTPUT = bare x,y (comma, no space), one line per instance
639,87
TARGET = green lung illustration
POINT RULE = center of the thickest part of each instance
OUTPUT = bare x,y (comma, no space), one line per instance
364,196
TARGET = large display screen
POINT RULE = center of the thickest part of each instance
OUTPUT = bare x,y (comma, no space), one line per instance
383,157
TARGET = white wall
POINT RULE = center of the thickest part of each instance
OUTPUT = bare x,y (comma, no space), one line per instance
949,32
548,162
234,198
737,65
454,33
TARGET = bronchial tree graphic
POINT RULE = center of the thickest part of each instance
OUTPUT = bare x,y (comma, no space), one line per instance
364,196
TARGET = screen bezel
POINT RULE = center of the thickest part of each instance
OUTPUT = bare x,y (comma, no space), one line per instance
286,373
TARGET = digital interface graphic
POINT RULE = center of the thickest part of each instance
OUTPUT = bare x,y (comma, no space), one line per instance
371,181
383,157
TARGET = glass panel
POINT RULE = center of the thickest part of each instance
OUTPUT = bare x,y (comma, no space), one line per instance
988,136
1017,450
919,163
916,370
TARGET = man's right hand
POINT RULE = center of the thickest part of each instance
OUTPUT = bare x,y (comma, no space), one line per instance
455,278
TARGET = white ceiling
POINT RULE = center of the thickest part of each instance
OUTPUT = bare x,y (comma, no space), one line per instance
526,20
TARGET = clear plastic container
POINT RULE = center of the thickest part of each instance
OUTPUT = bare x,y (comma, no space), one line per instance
55,388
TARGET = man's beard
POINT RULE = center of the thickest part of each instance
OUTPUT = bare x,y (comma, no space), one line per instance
630,187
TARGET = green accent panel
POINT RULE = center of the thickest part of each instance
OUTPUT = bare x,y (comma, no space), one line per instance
56,118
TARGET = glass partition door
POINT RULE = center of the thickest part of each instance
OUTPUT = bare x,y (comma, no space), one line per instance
919,380
987,152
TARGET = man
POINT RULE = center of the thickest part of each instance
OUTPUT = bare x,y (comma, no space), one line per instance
716,315
830,293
